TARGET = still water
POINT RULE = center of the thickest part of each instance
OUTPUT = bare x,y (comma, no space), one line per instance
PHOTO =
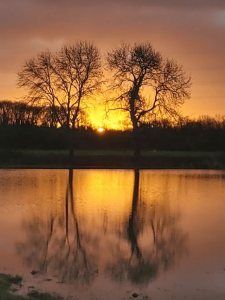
107,234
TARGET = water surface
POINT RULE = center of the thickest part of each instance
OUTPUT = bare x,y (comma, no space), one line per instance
105,234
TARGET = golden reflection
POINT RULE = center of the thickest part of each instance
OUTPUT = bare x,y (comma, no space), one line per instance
104,198
92,226
104,226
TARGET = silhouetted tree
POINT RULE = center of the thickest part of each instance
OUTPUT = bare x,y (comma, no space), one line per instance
139,70
63,80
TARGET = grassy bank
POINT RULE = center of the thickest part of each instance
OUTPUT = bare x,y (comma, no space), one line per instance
9,285
111,159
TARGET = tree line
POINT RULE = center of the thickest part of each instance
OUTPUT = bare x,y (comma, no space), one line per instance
135,79
205,133
23,114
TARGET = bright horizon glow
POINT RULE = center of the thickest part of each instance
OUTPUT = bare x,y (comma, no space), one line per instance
200,54
113,120
118,120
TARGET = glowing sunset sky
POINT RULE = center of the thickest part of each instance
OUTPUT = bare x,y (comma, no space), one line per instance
192,32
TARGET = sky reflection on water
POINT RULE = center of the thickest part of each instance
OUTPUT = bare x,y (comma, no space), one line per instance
109,233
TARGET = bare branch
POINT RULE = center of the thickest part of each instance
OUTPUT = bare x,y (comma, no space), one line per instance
63,79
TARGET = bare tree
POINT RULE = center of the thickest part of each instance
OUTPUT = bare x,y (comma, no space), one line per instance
147,84
63,80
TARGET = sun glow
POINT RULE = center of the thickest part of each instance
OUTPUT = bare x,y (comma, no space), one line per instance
113,120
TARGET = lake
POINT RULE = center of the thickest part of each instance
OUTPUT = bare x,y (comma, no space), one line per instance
108,234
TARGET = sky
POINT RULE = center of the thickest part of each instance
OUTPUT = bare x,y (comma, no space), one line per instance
191,32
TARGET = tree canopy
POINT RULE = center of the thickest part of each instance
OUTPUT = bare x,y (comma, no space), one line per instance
63,80
146,84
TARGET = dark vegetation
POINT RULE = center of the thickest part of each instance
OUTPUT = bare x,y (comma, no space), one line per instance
172,139
24,126
28,140
63,86
9,285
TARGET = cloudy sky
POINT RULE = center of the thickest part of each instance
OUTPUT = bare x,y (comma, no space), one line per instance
189,31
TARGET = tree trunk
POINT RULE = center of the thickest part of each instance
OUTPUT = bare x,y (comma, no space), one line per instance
137,149
71,142
136,136
71,151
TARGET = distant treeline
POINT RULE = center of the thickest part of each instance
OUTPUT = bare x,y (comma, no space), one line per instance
23,126
20,113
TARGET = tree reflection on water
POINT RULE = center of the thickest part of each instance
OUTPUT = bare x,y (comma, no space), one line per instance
164,240
148,241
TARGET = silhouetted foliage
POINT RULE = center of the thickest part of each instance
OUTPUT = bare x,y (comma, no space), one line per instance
18,113
19,130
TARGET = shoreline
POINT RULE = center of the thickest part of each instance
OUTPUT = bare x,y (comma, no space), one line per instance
10,287
103,159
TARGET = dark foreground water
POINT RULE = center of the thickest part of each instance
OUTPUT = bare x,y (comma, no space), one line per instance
106,234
